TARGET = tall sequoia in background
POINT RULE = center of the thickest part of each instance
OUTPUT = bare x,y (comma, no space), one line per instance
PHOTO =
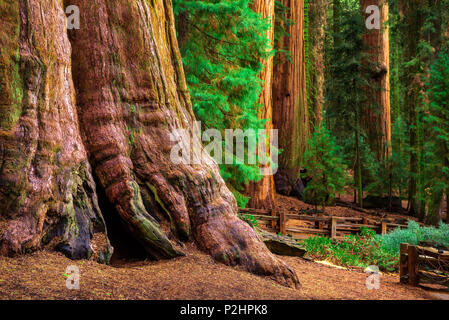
47,193
134,110
317,26
412,20
376,118
290,112
262,193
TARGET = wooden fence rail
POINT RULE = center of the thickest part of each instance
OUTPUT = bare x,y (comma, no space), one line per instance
423,265
334,227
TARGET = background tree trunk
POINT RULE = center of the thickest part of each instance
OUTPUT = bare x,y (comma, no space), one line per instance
317,26
290,112
263,193
376,116
133,100
47,193
412,22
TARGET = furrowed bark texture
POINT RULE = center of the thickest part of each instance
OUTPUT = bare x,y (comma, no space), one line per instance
290,113
376,118
262,193
132,97
47,193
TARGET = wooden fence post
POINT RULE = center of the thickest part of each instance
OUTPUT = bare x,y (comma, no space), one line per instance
333,228
282,227
383,228
413,276
273,222
365,221
403,263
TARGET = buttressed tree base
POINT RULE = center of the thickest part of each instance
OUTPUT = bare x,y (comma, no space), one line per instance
103,104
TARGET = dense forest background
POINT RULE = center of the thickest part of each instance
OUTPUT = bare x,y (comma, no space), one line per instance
357,108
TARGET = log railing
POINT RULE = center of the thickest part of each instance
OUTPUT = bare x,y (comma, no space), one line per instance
423,265
334,227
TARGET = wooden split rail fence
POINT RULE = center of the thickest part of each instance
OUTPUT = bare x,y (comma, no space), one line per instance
423,265
334,227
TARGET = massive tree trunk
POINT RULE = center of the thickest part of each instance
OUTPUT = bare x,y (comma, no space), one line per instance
376,116
317,26
47,193
133,110
262,193
290,112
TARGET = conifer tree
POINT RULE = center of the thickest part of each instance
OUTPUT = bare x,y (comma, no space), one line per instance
224,44
437,144
324,167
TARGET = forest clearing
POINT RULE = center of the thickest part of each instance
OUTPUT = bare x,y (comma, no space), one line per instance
224,149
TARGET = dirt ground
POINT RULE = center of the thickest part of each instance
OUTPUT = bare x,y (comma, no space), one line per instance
294,206
41,275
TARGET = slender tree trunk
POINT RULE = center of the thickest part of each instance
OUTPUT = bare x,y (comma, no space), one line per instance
262,193
133,111
447,206
434,209
412,22
317,26
358,174
376,118
290,112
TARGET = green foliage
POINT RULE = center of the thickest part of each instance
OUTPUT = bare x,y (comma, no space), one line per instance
223,44
391,242
282,22
393,171
324,166
361,250
250,219
436,150
346,85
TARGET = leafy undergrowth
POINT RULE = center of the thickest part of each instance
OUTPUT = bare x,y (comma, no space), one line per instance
367,248
415,234
361,250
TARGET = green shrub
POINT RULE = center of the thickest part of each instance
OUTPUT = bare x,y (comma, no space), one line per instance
250,219
413,235
361,250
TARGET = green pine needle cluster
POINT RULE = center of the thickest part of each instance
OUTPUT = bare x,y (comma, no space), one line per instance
223,44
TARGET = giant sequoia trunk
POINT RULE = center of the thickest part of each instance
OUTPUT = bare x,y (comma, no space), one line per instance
376,112
290,112
132,103
262,193
47,193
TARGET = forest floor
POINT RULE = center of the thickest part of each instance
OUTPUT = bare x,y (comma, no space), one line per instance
41,275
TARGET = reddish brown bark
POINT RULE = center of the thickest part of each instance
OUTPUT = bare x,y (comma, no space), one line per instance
262,193
376,118
47,193
131,96
290,112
